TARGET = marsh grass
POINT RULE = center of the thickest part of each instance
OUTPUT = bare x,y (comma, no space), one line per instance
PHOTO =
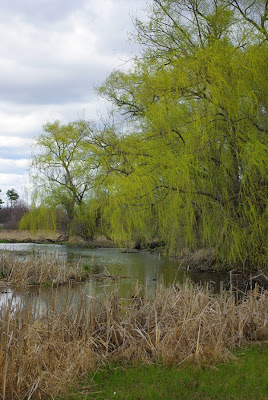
44,350
45,236
39,269
24,235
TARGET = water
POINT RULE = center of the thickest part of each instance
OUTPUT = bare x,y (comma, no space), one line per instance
144,267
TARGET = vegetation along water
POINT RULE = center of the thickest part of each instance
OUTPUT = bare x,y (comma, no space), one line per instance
177,169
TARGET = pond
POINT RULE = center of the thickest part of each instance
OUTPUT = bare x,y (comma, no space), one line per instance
149,269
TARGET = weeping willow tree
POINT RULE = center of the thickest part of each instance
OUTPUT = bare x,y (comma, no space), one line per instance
39,218
63,171
192,170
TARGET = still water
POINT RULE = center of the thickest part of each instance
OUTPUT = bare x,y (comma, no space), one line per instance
148,269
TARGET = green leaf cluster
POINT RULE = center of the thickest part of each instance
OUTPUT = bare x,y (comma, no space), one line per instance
187,163
63,173
193,170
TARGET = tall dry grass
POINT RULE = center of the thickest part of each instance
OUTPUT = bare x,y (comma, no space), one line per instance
43,351
25,235
37,269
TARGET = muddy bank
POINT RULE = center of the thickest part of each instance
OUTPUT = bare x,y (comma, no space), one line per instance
204,260
58,237
201,260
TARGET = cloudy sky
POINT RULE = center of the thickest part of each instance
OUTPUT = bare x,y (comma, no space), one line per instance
53,53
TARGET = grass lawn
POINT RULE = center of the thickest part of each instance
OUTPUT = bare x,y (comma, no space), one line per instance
246,377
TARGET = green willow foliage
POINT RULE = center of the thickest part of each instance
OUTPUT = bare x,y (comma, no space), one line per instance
63,174
192,172
39,218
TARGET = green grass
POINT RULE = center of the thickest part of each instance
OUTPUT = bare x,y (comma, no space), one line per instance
245,378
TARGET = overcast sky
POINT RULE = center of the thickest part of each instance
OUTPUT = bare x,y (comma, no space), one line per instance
53,53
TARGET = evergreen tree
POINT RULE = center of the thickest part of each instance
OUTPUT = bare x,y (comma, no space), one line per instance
12,196
1,201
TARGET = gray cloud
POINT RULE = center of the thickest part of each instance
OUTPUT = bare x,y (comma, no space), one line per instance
52,54
47,11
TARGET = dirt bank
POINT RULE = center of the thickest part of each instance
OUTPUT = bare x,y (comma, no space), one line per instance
57,237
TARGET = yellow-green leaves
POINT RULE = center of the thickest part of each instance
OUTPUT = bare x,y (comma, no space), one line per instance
195,163
64,166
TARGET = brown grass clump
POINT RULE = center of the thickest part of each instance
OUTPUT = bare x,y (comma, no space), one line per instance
38,269
39,356
44,350
25,235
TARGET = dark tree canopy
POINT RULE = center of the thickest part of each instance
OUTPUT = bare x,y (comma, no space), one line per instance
1,201
12,196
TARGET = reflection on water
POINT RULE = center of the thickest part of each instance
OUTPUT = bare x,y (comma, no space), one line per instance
144,267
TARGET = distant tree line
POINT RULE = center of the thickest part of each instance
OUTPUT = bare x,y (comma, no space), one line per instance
11,214
1,201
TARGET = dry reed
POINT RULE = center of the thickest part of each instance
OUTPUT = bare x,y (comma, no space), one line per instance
43,351
38,269
25,235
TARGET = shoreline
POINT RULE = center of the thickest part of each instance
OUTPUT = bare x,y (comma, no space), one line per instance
50,237
201,260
